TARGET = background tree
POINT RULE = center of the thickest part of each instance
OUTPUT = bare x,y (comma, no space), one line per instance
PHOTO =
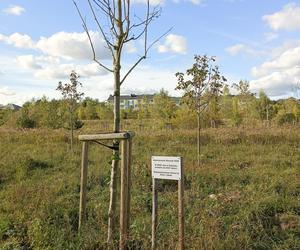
236,116
246,102
121,28
144,109
287,111
88,109
5,114
25,120
226,105
163,108
105,112
243,88
200,84
264,106
185,118
71,95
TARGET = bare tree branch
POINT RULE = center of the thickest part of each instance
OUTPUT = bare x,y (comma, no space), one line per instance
102,5
157,39
109,44
144,56
146,22
90,39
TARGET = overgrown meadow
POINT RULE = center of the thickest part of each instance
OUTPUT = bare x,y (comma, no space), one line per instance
245,194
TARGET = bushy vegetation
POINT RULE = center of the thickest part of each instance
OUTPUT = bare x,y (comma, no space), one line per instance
5,114
227,110
245,194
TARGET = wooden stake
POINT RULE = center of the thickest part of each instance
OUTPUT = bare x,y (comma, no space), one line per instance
83,184
129,161
154,213
181,209
123,198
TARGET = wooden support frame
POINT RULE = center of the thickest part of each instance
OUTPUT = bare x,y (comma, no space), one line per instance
126,160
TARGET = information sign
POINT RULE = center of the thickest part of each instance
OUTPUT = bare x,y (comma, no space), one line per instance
166,167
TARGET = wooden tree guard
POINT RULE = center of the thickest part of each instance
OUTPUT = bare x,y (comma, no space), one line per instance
126,151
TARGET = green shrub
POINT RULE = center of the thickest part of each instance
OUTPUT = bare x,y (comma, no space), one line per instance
24,121
286,118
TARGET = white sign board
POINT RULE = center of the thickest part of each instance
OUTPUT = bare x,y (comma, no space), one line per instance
166,167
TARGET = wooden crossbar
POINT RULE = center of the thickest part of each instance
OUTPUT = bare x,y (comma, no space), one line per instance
107,136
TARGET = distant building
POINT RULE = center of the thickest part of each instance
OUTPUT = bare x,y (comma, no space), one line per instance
10,106
133,100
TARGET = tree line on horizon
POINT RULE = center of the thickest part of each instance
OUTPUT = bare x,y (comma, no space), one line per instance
226,109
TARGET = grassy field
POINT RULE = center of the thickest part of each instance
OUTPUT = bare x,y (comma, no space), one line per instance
245,195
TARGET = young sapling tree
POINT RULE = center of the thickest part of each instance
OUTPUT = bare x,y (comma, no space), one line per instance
200,84
71,95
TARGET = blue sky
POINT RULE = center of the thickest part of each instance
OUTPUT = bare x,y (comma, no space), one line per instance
42,41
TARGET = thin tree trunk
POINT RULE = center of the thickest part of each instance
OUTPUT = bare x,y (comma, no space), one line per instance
198,140
72,130
115,161
267,115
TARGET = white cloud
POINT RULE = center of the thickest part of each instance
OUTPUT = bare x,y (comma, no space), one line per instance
47,67
53,54
62,70
152,2
20,97
90,70
243,49
235,49
270,36
280,72
162,2
286,19
14,10
150,80
277,83
130,48
174,44
18,40
54,71
233,1
28,62
73,45
64,45
5,91
286,60
196,2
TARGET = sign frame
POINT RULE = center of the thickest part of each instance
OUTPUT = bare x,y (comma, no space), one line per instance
166,167
180,203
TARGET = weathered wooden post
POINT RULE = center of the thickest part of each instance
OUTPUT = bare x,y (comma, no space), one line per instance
129,159
181,208
83,183
123,194
154,214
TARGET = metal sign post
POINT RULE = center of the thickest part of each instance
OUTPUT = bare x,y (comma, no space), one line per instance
169,168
